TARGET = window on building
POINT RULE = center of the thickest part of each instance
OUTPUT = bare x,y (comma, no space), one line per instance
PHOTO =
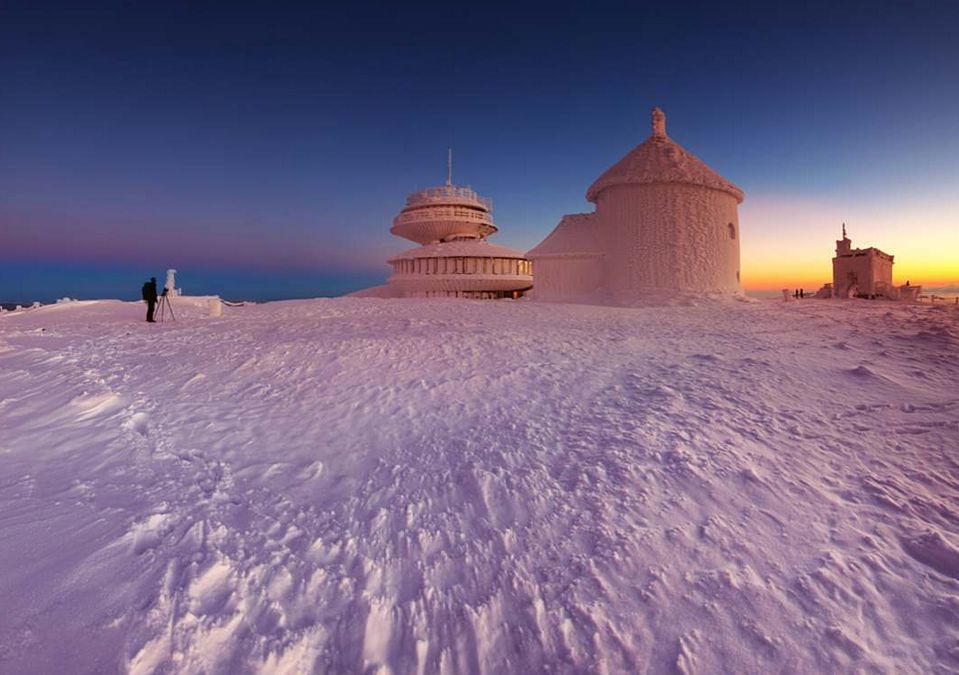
732,231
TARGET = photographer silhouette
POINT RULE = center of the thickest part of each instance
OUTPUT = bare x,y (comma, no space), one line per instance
150,297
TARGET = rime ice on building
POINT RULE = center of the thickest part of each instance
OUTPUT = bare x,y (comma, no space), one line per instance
865,273
664,223
569,262
451,224
170,285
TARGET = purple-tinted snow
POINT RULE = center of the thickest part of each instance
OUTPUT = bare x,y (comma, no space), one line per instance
359,485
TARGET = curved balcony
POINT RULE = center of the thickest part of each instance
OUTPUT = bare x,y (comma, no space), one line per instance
443,212
429,224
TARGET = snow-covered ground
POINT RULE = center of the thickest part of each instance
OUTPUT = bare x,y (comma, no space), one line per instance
361,485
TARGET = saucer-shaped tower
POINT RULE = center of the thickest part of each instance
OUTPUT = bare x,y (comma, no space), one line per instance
451,224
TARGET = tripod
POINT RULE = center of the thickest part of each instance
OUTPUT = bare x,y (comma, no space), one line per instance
164,305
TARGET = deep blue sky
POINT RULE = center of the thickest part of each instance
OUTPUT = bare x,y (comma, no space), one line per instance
263,148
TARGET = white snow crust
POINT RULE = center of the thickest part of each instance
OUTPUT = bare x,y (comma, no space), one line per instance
443,486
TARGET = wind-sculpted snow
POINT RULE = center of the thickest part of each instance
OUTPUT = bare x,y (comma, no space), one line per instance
442,486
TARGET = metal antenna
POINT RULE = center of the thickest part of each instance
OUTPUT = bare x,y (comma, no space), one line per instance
449,167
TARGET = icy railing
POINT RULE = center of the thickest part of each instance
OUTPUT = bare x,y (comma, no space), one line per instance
445,193
440,213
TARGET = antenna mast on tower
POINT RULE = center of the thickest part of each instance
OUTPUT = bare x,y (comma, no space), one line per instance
449,167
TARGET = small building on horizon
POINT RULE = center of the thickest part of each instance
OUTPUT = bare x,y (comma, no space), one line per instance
865,273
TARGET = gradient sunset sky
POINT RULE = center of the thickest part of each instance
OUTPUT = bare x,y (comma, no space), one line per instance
263,148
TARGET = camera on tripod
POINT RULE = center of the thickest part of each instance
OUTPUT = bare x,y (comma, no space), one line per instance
165,306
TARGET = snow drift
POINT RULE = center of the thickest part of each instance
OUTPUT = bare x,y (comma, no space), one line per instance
360,485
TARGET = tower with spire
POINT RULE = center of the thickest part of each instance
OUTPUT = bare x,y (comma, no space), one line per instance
664,224
844,245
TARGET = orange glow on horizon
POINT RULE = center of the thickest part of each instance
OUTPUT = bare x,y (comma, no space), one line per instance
795,274
790,243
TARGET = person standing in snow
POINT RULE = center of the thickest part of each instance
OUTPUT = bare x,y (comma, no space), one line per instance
150,297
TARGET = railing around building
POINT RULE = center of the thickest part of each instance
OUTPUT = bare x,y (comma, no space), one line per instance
446,193
464,265
442,213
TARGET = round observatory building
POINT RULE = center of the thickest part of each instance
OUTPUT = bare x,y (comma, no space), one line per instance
451,224
665,224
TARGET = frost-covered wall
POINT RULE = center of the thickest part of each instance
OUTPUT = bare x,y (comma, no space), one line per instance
667,237
568,264
577,277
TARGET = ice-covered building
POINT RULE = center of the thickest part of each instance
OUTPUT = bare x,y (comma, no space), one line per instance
569,262
866,273
665,223
454,259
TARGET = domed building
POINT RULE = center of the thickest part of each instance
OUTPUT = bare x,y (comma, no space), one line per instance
451,224
664,224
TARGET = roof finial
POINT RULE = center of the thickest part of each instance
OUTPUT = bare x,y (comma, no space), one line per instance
844,230
659,123
449,167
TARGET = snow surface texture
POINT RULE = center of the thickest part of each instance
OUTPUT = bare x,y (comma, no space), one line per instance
359,485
